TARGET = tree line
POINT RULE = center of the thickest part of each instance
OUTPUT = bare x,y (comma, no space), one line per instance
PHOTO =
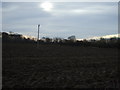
113,42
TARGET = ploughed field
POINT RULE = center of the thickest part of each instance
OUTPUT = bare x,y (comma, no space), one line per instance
58,66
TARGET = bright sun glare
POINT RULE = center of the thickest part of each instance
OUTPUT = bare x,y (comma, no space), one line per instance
47,6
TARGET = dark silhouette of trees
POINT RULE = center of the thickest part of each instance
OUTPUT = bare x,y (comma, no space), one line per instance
48,40
14,38
57,40
102,43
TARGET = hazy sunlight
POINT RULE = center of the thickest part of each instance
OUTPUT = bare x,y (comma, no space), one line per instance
47,6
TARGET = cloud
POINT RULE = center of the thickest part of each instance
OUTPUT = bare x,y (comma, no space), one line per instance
82,8
64,19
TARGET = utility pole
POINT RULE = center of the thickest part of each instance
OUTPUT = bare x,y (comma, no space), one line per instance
38,35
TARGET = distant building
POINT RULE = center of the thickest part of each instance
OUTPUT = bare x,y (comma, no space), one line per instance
72,38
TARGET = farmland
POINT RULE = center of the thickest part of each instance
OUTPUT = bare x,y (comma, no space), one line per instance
24,65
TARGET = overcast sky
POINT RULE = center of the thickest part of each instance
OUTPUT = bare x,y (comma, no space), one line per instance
61,19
